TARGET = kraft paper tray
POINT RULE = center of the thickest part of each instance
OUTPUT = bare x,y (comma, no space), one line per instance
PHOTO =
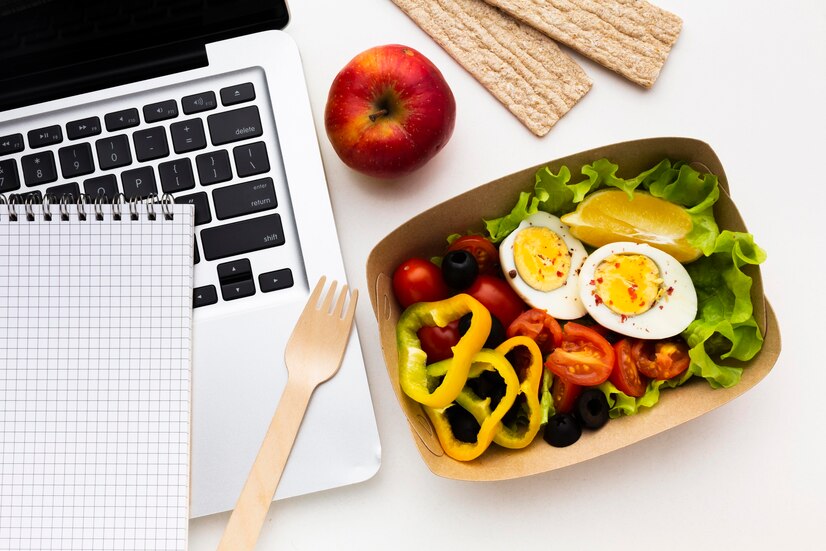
424,235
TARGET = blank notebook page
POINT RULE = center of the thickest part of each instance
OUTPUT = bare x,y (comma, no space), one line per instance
95,346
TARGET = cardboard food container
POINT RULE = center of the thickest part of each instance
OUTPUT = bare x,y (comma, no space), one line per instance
424,236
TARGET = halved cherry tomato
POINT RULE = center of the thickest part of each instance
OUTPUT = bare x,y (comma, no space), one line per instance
625,375
485,252
540,326
661,359
564,395
583,358
498,297
437,342
418,280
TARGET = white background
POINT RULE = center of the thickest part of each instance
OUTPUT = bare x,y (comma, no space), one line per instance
748,77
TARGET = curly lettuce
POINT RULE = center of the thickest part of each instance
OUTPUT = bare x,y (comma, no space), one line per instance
725,327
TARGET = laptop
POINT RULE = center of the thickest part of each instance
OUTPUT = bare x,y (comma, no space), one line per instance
204,101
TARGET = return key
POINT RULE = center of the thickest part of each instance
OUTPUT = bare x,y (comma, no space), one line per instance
245,198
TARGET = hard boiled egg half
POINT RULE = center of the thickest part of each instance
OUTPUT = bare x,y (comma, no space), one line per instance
541,261
637,291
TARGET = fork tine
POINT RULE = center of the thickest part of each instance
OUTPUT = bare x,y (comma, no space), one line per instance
351,308
312,301
339,308
328,298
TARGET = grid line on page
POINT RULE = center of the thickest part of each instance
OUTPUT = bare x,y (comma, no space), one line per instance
95,355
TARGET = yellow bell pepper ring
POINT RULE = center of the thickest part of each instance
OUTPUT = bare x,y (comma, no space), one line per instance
413,376
484,360
517,434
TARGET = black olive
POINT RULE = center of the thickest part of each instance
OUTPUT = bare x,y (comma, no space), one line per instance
464,426
459,269
562,430
497,330
591,408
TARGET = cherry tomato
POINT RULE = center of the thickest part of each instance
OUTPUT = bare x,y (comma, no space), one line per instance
485,252
583,358
540,326
418,280
438,341
498,297
661,359
625,375
564,395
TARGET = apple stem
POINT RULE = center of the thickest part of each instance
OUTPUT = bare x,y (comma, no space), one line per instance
377,114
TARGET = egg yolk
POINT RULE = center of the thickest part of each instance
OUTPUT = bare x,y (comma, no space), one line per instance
542,259
628,284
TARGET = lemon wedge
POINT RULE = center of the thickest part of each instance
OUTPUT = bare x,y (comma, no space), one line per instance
609,216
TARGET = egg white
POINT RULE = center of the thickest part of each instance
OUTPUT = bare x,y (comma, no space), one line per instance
669,315
563,302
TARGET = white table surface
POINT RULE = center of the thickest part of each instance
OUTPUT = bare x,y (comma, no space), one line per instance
748,77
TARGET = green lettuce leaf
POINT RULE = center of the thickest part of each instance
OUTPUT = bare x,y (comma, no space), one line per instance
499,228
725,324
622,404
677,182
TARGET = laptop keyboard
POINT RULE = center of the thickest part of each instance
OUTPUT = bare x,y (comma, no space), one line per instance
207,149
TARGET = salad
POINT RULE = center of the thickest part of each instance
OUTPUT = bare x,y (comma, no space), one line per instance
580,304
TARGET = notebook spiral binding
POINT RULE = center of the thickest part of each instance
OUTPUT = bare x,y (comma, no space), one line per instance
31,206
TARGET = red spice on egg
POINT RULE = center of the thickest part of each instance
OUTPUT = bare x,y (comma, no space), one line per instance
669,290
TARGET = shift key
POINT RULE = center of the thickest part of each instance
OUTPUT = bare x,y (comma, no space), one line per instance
235,125
242,237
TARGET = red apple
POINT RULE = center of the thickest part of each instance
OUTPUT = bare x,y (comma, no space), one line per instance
389,111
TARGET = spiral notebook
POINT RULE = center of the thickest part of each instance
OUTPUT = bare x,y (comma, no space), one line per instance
95,345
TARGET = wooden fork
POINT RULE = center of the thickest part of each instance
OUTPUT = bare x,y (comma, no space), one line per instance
313,355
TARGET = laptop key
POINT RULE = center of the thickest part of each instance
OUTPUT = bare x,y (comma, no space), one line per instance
122,119
67,192
9,179
39,168
213,167
251,159
246,198
273,281
198,103
139,182
242,237
160,111
188,135
234,271
176,175
201,203
237,94
113,152
235,125
76,160
195,253
11,144
150,144
102,186
83,128
42,137
238,289
204,296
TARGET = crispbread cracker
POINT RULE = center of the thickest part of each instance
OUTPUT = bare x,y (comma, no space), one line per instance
519,65
631,37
